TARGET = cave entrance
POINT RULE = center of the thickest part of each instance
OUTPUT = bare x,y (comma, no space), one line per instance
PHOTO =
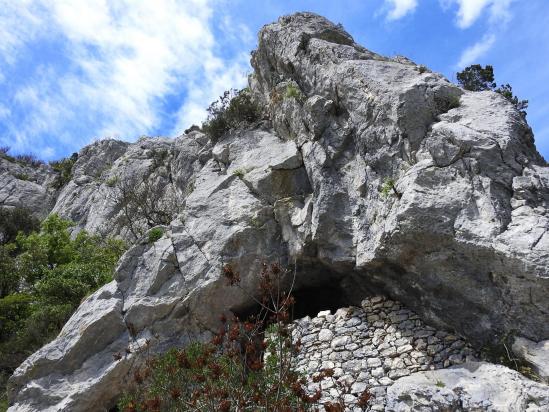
313,299
318,289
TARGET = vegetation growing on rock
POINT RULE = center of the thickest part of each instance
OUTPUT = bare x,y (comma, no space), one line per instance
229,111
44,275
63,168
477,78
247,366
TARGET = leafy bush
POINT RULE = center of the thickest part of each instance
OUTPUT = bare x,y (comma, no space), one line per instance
112,181
43,278
478,78
15,220
292,92
145,203
507,91
21,176
389,187
25,159
63,168
247,366
446,103
155,234
229,111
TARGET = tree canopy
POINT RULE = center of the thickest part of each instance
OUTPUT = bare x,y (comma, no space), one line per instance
477,78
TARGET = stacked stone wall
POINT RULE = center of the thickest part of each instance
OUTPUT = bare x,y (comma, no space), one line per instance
371,346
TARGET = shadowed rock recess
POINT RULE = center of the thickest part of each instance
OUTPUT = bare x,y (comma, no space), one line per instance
462,240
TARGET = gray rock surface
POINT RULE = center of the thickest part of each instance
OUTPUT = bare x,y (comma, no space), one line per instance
467,238
24,185
464,244
474,386
535,354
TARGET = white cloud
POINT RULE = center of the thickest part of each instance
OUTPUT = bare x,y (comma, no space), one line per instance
125,58
476,51
400,8
469,11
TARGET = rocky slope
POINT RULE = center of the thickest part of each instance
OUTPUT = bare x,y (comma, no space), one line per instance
25,185
462,240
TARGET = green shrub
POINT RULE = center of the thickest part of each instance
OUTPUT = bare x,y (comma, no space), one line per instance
445,103
440,384
21,176
63,168
388,187
27,159
292,92
229,111
15,220
112,181
239,173
9,279
477,78
43,278
14,310
422,69
155,234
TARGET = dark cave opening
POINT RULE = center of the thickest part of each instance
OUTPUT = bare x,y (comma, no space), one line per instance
320,289
311,300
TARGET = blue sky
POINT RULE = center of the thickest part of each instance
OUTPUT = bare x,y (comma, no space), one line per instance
75,71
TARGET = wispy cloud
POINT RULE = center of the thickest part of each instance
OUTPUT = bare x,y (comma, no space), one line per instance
123,58
476,51
469,11
400,8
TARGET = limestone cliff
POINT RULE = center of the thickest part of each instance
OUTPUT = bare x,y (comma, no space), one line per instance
462,239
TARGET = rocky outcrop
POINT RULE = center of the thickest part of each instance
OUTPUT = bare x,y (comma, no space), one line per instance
465,240
105,170
460,236
474,386
27,186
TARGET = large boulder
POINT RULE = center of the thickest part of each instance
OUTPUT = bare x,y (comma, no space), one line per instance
372,175
462,233
474,386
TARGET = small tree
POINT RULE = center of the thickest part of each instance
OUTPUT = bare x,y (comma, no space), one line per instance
477,78
145,203
15,220
229,111
43,278
507,91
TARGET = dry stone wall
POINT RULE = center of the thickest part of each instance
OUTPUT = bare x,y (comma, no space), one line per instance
372,346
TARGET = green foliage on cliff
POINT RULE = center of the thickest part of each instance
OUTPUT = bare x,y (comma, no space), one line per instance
44,275
477,78
63,168
229,111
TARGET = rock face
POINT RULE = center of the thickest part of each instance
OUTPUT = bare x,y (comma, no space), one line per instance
461,236
24,185
475,386
535,354
93,197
